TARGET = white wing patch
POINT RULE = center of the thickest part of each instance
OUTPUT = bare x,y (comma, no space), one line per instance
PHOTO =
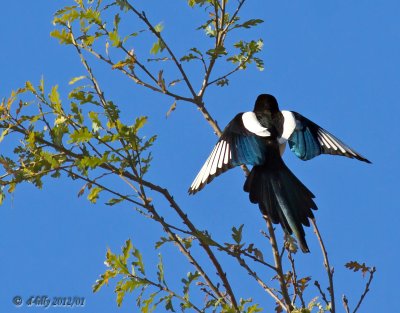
219,157
289,125
252,124
331,142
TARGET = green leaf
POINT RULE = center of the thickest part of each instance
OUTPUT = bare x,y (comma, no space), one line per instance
94,194
50,159
114,201
126,249
222,82
41,85
191,277
210,31
4,133
96,124
2,196
75,79
62,36
81,135
171,109
117,19
237,234
120,64
139,260
120,295
139,123
249,23
157,47
55,99
161,242
168,304
159,27
192,3
88,40
91,15
160,272
217,52
114,38
146,307
254,309
103,280
123,5
205,237
29,86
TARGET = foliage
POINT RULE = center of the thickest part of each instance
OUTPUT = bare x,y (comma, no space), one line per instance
83,136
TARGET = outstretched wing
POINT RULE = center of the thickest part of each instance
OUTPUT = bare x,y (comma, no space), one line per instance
307,139
240,143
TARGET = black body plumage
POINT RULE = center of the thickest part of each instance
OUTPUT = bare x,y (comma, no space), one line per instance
271,185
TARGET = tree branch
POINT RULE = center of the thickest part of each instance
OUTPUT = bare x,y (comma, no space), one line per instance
323,295
371,277
328,268
143,17
163,288
297,292
345,304
262,284
278,262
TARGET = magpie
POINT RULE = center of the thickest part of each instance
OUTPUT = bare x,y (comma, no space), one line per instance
259,138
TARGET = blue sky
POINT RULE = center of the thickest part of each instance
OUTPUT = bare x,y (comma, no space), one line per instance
335,62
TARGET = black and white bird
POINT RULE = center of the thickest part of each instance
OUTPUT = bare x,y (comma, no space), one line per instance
259,138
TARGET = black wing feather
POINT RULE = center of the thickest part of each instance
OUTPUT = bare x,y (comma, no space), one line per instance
236,146
309,140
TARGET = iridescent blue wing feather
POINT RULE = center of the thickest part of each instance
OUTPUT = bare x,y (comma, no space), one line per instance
309,140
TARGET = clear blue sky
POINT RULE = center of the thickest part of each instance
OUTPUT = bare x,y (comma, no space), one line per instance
335,62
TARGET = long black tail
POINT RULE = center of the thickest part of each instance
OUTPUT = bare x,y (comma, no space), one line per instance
282,196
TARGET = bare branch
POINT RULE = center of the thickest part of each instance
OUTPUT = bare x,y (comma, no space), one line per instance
323,295
371,277
278,262
328,268
297,292
269,290
345,304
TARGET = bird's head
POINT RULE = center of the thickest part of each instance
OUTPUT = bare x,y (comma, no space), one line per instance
266,104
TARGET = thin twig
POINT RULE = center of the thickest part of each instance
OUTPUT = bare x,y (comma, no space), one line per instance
93,182
345,304
371,277
226,75
328,268
323,295
164,288
203,244
261,283
225,249
278,262
143,17
234,14
134,77
297,292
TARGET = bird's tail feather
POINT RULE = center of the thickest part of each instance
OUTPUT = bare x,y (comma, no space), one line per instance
282,196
